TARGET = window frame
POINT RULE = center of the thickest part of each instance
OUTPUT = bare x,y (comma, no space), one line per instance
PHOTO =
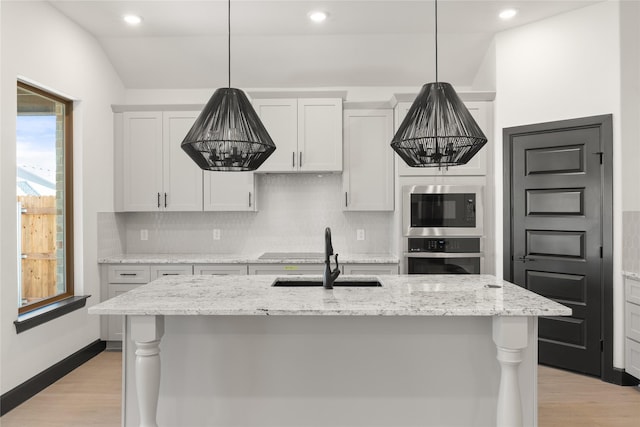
68,200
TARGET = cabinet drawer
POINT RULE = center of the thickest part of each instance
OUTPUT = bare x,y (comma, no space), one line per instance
220,269
158,271
286,269
632,358
632,290
632,321
384,269
128,273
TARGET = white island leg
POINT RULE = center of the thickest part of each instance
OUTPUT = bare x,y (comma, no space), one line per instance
510,337
146,332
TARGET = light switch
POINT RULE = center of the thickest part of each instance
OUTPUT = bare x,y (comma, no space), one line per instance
144,234
360,234
216,234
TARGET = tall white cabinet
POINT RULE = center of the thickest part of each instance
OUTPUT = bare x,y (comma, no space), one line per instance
368,176
307,133
156,175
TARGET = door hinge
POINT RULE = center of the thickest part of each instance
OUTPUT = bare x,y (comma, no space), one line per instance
600,154
601,252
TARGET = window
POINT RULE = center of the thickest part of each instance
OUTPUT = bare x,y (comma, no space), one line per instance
44,197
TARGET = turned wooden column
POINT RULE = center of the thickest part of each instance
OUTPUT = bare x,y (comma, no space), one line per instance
510,337
146,332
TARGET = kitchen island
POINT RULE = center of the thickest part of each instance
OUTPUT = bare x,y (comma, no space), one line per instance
455,350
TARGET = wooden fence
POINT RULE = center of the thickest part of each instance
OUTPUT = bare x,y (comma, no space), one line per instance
38,221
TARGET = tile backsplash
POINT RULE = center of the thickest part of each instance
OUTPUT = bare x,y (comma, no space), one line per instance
293,211
631,241
111,234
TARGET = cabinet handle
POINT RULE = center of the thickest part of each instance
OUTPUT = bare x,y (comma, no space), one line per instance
170,274
128,274
300,162
293,159
158,200
346,200
249,198
165,200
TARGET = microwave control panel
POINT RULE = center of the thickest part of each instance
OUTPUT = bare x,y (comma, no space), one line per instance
444,244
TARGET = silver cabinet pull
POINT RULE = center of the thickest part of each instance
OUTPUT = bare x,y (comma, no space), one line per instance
249,198
128,274
346,200
293,159
158,200
300,162
165,200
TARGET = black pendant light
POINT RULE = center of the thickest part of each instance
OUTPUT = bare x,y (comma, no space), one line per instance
228,134
438,129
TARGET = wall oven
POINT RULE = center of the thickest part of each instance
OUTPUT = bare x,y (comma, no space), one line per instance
444,255
442,210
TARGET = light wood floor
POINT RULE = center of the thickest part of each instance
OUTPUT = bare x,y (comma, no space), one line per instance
90,396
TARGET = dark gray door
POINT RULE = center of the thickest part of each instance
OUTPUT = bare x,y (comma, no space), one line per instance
556,248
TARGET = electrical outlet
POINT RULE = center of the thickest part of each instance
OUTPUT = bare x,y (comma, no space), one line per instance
144,234
360,234
216,234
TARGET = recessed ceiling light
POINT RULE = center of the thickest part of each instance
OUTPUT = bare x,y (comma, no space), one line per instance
318,16
132,19
508,14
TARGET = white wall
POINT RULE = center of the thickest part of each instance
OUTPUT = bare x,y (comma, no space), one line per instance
567,66
45,48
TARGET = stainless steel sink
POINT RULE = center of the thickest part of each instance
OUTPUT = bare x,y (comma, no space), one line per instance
284,282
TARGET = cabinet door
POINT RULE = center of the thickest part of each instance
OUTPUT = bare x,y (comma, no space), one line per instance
115,323
367,179
229,191
182,189
142,160
280,118
320,135
478,163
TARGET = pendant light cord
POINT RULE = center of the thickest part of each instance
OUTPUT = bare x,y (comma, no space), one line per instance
229,39
436,19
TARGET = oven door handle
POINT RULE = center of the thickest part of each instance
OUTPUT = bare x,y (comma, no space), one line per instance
443,255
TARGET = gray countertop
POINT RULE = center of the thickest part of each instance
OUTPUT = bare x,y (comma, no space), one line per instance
400,295
290,258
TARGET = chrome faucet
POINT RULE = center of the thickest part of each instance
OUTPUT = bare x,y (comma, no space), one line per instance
328,277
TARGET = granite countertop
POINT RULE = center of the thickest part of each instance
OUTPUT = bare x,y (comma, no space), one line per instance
291,258
631,275
400,295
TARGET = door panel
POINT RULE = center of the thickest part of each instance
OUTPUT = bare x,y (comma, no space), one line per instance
556,238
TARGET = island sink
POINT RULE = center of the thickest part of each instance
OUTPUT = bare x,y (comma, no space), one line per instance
316,283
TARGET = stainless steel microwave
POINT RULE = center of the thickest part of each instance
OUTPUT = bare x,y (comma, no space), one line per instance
442,210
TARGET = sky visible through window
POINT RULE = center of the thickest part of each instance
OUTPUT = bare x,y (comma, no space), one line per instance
36,146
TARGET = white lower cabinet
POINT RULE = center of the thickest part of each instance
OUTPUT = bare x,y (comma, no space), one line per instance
378,269
632,327
220,269
286,268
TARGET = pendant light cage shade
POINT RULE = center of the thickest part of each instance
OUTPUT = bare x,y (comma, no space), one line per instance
438,129
228,134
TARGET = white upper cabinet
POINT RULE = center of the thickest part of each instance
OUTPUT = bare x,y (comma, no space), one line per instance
368,178
229,191
156,174
307,133
481,112
182,176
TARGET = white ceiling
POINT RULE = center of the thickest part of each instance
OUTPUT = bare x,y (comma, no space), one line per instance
183,44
